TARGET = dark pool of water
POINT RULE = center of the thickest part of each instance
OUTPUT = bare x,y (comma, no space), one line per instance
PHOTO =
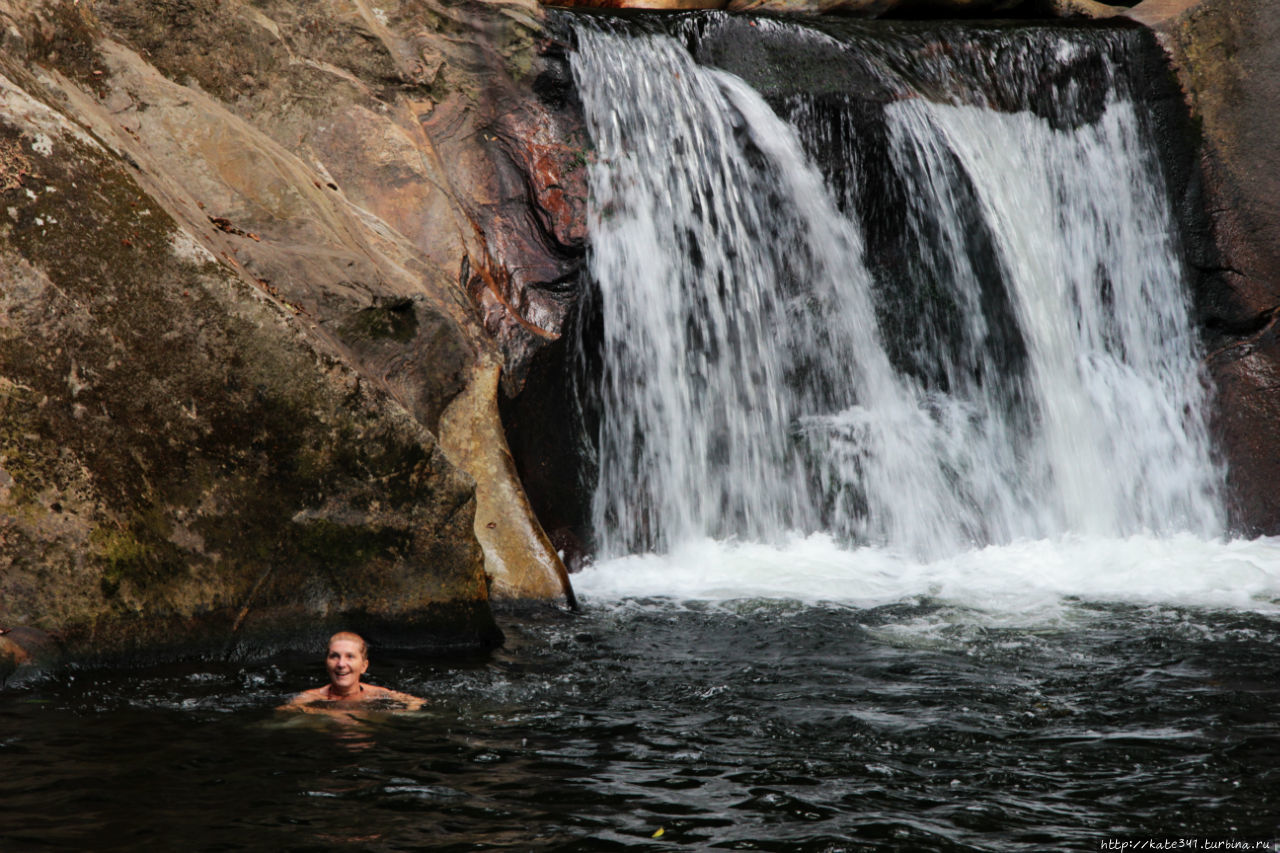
753,727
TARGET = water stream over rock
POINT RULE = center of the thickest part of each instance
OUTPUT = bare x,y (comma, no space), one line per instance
938,307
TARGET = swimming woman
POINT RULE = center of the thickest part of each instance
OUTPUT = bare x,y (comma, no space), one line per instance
346,661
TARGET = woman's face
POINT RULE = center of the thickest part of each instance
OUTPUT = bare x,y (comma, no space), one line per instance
346,663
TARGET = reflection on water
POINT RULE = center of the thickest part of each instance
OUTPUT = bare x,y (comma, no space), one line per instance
738,725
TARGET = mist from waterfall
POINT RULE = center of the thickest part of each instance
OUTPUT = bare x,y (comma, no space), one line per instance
1023,370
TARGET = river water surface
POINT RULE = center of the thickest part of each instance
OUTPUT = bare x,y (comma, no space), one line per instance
885,720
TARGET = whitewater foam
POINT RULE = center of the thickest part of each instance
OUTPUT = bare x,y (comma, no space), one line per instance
1028,582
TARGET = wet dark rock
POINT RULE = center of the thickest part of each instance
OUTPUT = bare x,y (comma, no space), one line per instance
1226,54
26,650
1247,425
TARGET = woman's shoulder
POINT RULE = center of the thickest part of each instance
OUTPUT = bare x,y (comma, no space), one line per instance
319,698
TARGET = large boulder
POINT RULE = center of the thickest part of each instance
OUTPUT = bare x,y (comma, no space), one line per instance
251,255
181,458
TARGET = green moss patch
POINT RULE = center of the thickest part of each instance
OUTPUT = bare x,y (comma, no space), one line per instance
66,41
395,321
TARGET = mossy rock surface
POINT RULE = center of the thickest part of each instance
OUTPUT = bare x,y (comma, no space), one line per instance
176,452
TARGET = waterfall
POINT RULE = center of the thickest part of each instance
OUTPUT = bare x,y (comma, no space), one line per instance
939,311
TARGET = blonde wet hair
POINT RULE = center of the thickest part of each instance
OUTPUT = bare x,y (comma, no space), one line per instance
355,638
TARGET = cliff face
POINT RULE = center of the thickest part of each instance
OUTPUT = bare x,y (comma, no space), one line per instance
1226,54
251,255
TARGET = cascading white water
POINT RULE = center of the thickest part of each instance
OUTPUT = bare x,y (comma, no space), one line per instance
1083,233
748,391
737,320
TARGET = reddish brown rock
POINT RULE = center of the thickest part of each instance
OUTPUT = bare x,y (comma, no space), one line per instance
23,648
533,219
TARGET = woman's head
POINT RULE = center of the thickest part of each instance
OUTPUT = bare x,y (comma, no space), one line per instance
346,661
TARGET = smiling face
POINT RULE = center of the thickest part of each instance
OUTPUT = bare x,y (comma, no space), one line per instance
346,662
